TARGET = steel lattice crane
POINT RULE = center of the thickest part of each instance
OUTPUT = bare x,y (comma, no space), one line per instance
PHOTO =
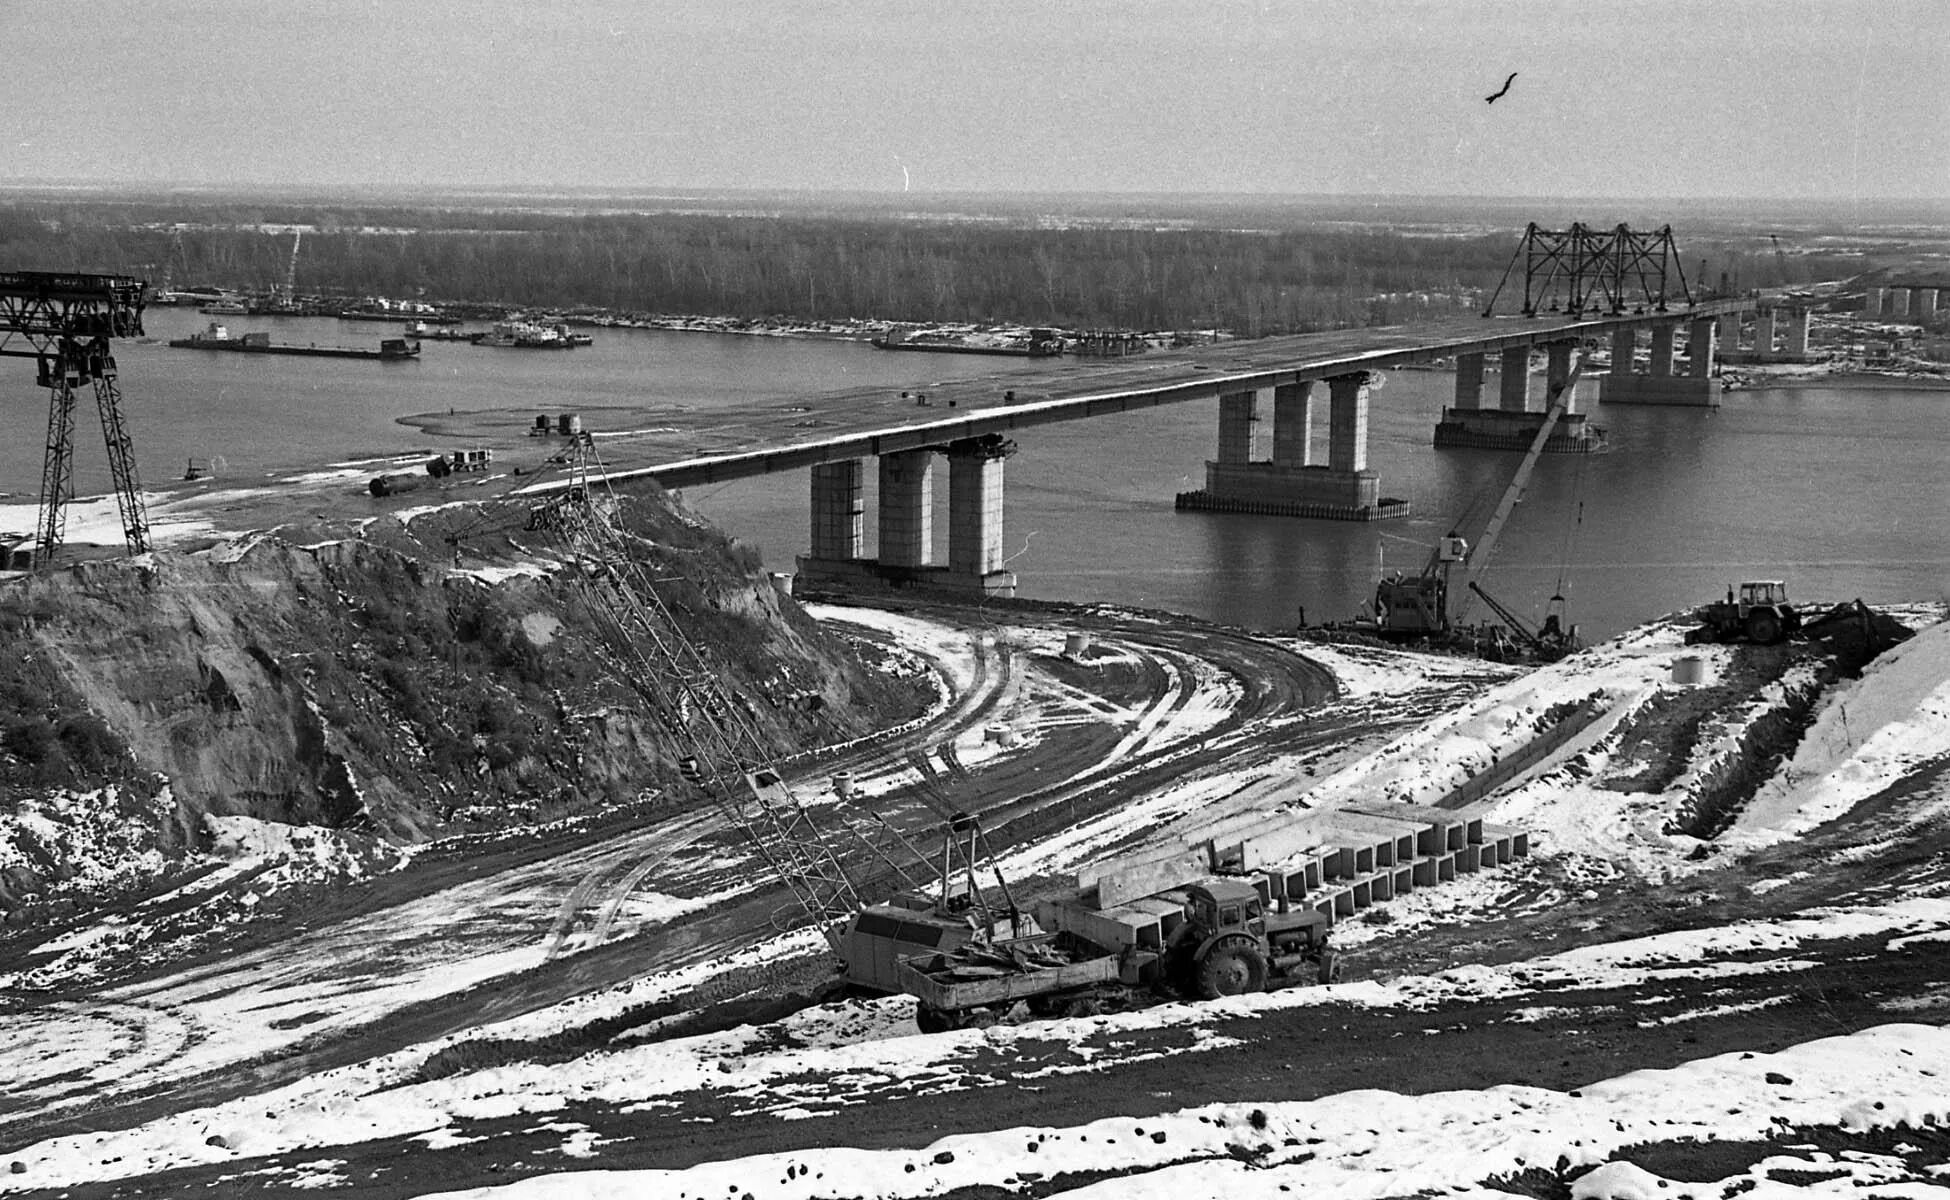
67,323
727,758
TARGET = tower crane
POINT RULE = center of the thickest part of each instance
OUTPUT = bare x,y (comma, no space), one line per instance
65,323
291,271
1780,258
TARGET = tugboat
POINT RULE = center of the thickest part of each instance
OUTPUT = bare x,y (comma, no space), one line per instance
526,335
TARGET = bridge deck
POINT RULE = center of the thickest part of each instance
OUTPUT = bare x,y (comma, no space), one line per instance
789,436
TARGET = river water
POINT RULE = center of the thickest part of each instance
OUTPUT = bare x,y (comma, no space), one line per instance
1840,491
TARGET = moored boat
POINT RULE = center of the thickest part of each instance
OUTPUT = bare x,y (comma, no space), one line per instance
219,337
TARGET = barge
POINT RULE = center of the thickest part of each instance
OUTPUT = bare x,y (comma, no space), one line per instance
217,337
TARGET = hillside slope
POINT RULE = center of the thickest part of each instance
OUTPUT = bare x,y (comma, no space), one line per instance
441,671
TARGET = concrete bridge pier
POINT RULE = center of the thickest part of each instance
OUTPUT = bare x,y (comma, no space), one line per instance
975,516
906,510
1514,423
1293,483
906,521
838,511
1659,383
1799,321
1922,305
1789,327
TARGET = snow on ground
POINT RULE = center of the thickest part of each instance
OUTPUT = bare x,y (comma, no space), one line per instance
88,839
97,520
1378,1144
330,980
1364,671
823,1057
1868,733
1869,736
259,859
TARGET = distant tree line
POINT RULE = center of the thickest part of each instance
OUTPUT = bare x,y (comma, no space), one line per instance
795,266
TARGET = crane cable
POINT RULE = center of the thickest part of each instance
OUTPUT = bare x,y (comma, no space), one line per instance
1574,530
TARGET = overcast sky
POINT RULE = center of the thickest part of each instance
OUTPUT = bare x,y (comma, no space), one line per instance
1792,98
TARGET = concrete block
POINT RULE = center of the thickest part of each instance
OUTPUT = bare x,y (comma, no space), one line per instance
1436,829
1151,878
1402,879
1518,839
1276,841
1393,840
1471,816
1469,859
1296,876
1487,854
1381,885
1434,868
1119,927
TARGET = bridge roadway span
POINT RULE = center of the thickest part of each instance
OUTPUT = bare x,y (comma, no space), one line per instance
832,434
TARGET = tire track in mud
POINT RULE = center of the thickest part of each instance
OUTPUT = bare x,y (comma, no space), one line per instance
104,1041
1101,767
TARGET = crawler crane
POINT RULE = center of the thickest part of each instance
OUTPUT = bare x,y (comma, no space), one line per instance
1416,608
821,859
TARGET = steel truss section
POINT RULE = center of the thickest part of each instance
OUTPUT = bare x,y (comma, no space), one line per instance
1584,270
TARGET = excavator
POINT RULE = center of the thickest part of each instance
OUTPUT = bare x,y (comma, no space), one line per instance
1415,608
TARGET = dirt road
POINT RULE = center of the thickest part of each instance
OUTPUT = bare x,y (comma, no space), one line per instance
460,941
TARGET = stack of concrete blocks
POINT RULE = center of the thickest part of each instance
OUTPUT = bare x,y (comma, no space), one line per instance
1335,861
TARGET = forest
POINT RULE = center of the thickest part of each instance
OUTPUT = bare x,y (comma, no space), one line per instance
1197,271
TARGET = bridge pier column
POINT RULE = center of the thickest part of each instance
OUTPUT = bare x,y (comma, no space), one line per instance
1697,388
906,509
1513,386
1729,333
838,524
1799,321
1700,335
1898,305
1662,336
1347,423
838,510
1291,483
1557,371
1293,424
1624,348
1873,301
1922,304
975,515
1238,424
1469,382
1764,333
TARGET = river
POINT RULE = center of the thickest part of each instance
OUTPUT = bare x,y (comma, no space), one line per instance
1839,491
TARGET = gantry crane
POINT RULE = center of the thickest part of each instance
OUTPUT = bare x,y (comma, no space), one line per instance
67,323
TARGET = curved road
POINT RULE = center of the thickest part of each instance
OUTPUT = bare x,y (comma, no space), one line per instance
1147,705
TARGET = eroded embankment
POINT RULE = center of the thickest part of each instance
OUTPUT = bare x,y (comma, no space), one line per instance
446,673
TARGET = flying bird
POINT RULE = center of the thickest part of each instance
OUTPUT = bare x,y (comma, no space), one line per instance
1501,91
